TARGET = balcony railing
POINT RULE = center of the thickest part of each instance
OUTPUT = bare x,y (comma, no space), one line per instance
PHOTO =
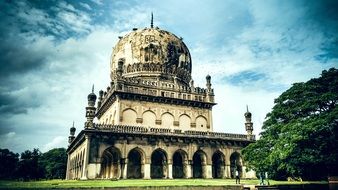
174,132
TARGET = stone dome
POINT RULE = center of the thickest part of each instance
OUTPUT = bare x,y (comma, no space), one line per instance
152,53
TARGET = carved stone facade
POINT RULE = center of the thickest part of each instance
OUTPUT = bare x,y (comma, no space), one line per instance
151,121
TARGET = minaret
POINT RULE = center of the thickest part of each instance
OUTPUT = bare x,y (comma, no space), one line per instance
210,91
72,133
248,123
100,99
90,110
119,70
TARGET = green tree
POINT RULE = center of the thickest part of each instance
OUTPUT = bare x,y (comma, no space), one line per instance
54,163
8,163
300,134
28,167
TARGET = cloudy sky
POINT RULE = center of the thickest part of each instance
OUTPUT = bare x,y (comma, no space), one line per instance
53,51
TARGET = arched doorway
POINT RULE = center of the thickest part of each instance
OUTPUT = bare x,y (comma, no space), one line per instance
110,163
180,164
218,163
135,164
199,163
158,164
235,164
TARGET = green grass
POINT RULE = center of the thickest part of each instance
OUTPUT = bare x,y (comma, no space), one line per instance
132,183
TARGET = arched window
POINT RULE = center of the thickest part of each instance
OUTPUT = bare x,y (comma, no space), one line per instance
201,122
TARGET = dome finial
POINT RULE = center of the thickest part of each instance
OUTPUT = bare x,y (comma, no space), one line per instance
73,123
93,88
152,20
247,108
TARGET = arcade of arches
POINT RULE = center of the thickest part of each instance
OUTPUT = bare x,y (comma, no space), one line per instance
162,165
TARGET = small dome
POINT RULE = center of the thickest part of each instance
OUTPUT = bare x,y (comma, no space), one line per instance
152,52
72,129
247,114
92,97
208,77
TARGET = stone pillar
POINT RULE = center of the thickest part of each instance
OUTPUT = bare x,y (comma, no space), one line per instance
223,172
208,169
189,169
124,163
170,171
146,171
86,158
185,169
118,175
68,168
227,171
110,170
204,169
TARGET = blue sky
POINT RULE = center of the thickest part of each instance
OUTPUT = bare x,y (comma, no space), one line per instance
53,51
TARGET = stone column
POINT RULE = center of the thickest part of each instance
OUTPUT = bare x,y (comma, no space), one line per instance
208,169
146,171
118,175
170,171
189,173
124,163
110,170
204,169
185,169
224,172
86,158
68,168
227,171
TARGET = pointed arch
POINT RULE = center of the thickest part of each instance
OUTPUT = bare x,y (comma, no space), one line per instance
180,162
159,164
184,121
201,122
218,164
111,163
135,165
236,164
129,116
199,164
149,118
167,120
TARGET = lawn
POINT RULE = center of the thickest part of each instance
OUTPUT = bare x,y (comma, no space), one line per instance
132,183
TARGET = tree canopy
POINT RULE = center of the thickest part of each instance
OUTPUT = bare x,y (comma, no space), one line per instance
8,163
33,164
54,163
299,137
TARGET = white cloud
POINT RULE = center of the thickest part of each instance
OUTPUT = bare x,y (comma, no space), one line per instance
10,134
56,142
86,6
79,22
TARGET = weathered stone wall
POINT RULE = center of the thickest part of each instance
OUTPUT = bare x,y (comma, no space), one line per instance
150,114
